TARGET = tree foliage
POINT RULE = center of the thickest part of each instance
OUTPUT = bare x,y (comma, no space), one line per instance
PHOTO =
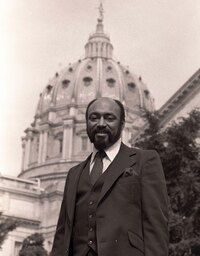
33,246
6,225
180,154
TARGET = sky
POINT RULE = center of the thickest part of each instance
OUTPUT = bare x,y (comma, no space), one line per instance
158,40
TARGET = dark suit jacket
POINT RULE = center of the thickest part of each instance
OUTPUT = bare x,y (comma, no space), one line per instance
132,211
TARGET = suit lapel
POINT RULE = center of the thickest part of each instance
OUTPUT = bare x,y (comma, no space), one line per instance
124,159
72,189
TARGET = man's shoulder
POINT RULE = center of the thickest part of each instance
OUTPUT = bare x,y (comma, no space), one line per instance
143,153
79,165
140,150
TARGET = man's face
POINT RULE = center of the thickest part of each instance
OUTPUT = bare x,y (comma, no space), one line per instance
104,124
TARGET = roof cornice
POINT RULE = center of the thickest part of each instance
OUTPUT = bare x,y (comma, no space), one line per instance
186,90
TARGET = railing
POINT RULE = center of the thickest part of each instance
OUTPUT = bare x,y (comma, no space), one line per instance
13,182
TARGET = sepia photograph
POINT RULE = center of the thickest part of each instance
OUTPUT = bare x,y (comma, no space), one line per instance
100,128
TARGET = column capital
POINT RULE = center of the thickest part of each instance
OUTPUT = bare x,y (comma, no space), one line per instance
23,143
43,127
68,123
82,132
29,133
23,139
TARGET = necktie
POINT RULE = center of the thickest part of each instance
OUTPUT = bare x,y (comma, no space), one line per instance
98,167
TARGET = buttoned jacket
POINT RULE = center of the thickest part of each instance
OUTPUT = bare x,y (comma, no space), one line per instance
132,210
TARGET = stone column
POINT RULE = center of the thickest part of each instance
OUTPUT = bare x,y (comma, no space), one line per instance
27,148
99,49
104,50
65,134
94,47
43,140
90,50
40,147
23,153
68,139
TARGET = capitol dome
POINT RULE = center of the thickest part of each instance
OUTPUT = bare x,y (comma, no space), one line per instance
97,75
57,138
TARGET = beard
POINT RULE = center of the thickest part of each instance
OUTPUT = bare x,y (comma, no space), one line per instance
103,138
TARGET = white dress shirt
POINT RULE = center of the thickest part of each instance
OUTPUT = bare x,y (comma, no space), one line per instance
111,153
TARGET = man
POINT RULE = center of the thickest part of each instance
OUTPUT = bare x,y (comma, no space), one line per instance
121,211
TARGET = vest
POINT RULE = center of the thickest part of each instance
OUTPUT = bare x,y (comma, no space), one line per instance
84,228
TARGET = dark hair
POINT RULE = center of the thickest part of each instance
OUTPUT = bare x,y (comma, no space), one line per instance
122,110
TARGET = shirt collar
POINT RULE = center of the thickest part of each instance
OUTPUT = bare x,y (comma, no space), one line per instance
111,152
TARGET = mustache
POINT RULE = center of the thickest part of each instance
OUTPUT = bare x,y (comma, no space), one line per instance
101,130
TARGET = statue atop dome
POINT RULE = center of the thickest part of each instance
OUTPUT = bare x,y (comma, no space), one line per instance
101,11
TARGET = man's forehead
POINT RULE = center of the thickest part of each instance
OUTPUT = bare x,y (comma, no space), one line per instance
104,104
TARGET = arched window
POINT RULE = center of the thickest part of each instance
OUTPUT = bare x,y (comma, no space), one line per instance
110,82
59,139
131,86
89,67
65,83
109,68
87,81
49,88
146,92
